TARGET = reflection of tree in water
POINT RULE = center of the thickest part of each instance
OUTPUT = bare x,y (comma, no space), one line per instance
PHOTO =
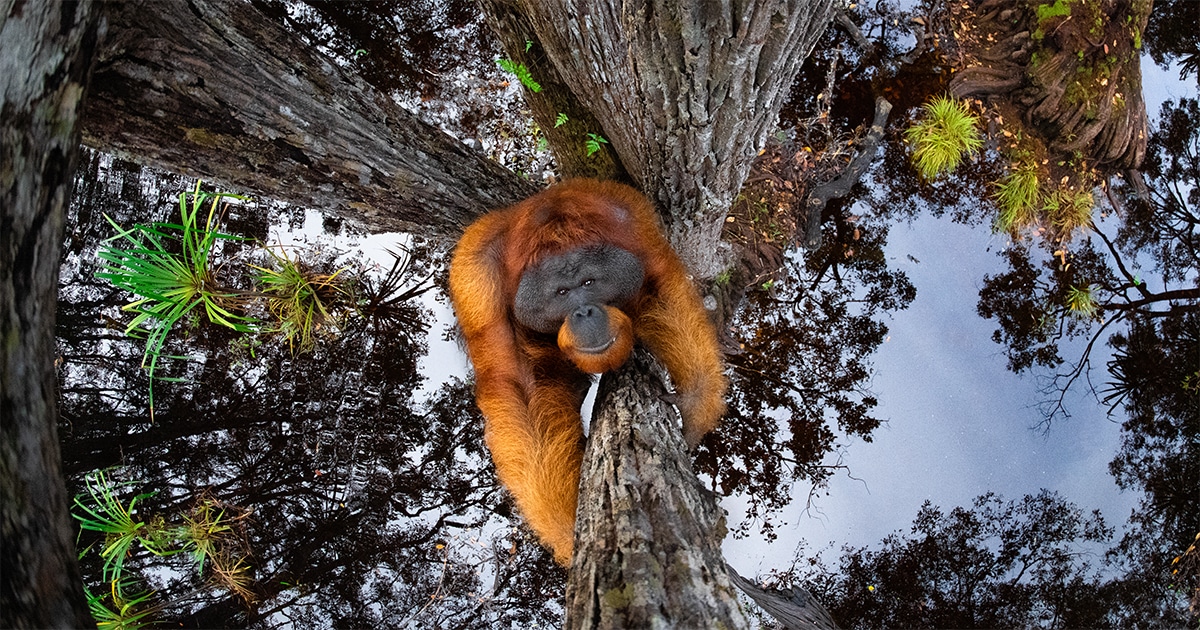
1155,371
803,370
1071,70
365,501
1171,35
806,331
1130,280
1143,281
996,564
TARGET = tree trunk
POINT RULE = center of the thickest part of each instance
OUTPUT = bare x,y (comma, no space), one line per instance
217,90
48,48
568,141
648,540
686,94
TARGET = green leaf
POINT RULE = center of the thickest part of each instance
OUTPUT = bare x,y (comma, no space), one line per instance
522,73
593,143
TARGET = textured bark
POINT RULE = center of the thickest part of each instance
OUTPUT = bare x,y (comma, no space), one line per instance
215,89
797,610
568,142
47,51
648,540
686,93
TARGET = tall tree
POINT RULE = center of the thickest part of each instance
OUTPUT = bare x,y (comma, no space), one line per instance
686,94
220,90
48,50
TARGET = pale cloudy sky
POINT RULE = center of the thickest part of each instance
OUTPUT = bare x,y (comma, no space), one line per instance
958,422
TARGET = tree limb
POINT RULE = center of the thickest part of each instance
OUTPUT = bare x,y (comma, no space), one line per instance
797,610
1080,368
1141,286
1165,296
841,185
217,90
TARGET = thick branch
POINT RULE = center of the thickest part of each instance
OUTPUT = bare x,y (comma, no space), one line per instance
217,90
797,610
840,187
1165,296
648,538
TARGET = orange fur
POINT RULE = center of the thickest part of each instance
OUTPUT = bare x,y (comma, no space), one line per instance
529,385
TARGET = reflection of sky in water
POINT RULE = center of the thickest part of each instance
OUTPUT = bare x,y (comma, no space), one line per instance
444,359
957,422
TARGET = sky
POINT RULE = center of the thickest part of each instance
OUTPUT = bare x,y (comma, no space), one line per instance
957,422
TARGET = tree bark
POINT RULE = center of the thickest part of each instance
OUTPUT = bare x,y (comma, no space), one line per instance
48,51
797,610
217,90
686,94
648,539
568,142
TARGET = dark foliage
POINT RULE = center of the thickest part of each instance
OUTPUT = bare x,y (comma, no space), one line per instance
1030,304
1156,381
999,564
1159,233
368,508
1172,35
800,380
